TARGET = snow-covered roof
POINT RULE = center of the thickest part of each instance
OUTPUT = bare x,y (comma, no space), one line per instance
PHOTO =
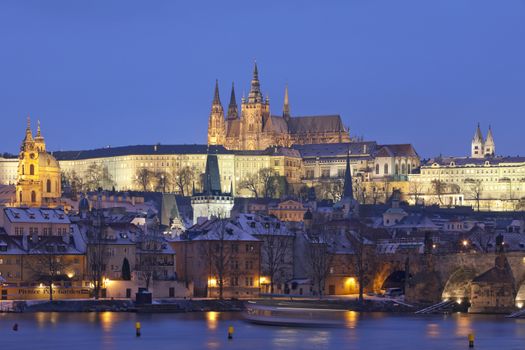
36,215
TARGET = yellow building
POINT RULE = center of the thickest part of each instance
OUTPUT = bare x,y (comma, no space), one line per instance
39,182
483,181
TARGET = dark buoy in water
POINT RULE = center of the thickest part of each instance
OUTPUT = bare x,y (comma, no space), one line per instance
15,327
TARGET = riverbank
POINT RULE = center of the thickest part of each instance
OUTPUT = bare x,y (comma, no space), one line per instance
188,305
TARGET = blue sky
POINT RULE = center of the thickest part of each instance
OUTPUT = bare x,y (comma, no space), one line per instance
105,72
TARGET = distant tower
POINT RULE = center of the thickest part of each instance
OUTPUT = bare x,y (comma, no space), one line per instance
212,201
477,147
490,146
286,105
232,108
255,112
216,123
348,204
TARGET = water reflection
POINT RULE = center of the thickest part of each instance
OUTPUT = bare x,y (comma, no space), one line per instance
351,318
212,320
433,330
106,320
464,326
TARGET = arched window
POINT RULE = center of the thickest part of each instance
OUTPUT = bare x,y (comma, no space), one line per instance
403,168
48,186
33,196
397,169
409,168
31,169
386,169
377,169
23,170
20,195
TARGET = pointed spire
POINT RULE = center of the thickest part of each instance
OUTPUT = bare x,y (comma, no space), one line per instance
29,133
478,136
348,191
286,105
490,137
216,97
255,95
232,108
38,134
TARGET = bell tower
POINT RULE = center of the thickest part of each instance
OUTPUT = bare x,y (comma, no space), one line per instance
477,145
216,122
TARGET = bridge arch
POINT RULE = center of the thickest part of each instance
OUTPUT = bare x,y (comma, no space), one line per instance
458,284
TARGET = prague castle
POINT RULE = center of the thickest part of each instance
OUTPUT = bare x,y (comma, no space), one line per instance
255,128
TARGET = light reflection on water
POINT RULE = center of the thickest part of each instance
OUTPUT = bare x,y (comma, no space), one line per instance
106,330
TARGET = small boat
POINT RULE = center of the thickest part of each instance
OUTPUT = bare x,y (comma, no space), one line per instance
294,314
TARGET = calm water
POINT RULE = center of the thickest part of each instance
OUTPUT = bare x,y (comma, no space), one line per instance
80,331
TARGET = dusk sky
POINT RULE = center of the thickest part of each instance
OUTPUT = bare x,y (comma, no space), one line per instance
100,73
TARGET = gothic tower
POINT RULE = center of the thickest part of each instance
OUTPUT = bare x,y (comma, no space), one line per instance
477,146
232,107
255,112
490,146
216,123
39,182
286,105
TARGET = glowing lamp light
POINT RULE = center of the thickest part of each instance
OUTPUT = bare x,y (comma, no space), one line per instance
459,301
212,282
350,280
465,243
70,275
263,280
519,305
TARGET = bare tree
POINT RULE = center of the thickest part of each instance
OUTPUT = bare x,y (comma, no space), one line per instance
439,189
219,252
476,191
143,178
277,247
97,255
319,259
331,189
360,257
416,191
163,181
268,181
251,183
47,265
183,178
98,176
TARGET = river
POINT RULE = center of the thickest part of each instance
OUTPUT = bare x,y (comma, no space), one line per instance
83,331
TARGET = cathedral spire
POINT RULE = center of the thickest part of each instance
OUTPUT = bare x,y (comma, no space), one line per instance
38,133
286,105
232,108
255,95
348,191
216,97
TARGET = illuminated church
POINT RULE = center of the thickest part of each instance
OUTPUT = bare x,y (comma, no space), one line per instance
255,128
39,179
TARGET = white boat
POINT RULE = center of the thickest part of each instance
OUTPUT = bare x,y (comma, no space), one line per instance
294,314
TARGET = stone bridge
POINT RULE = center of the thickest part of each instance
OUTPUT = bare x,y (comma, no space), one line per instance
433,278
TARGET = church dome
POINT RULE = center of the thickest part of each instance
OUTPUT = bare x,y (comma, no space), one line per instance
47,160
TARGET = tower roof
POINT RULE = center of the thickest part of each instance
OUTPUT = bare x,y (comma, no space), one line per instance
348,191
29,133
478,137
255,95
216,97
490,137
212,178
232,108
286,105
